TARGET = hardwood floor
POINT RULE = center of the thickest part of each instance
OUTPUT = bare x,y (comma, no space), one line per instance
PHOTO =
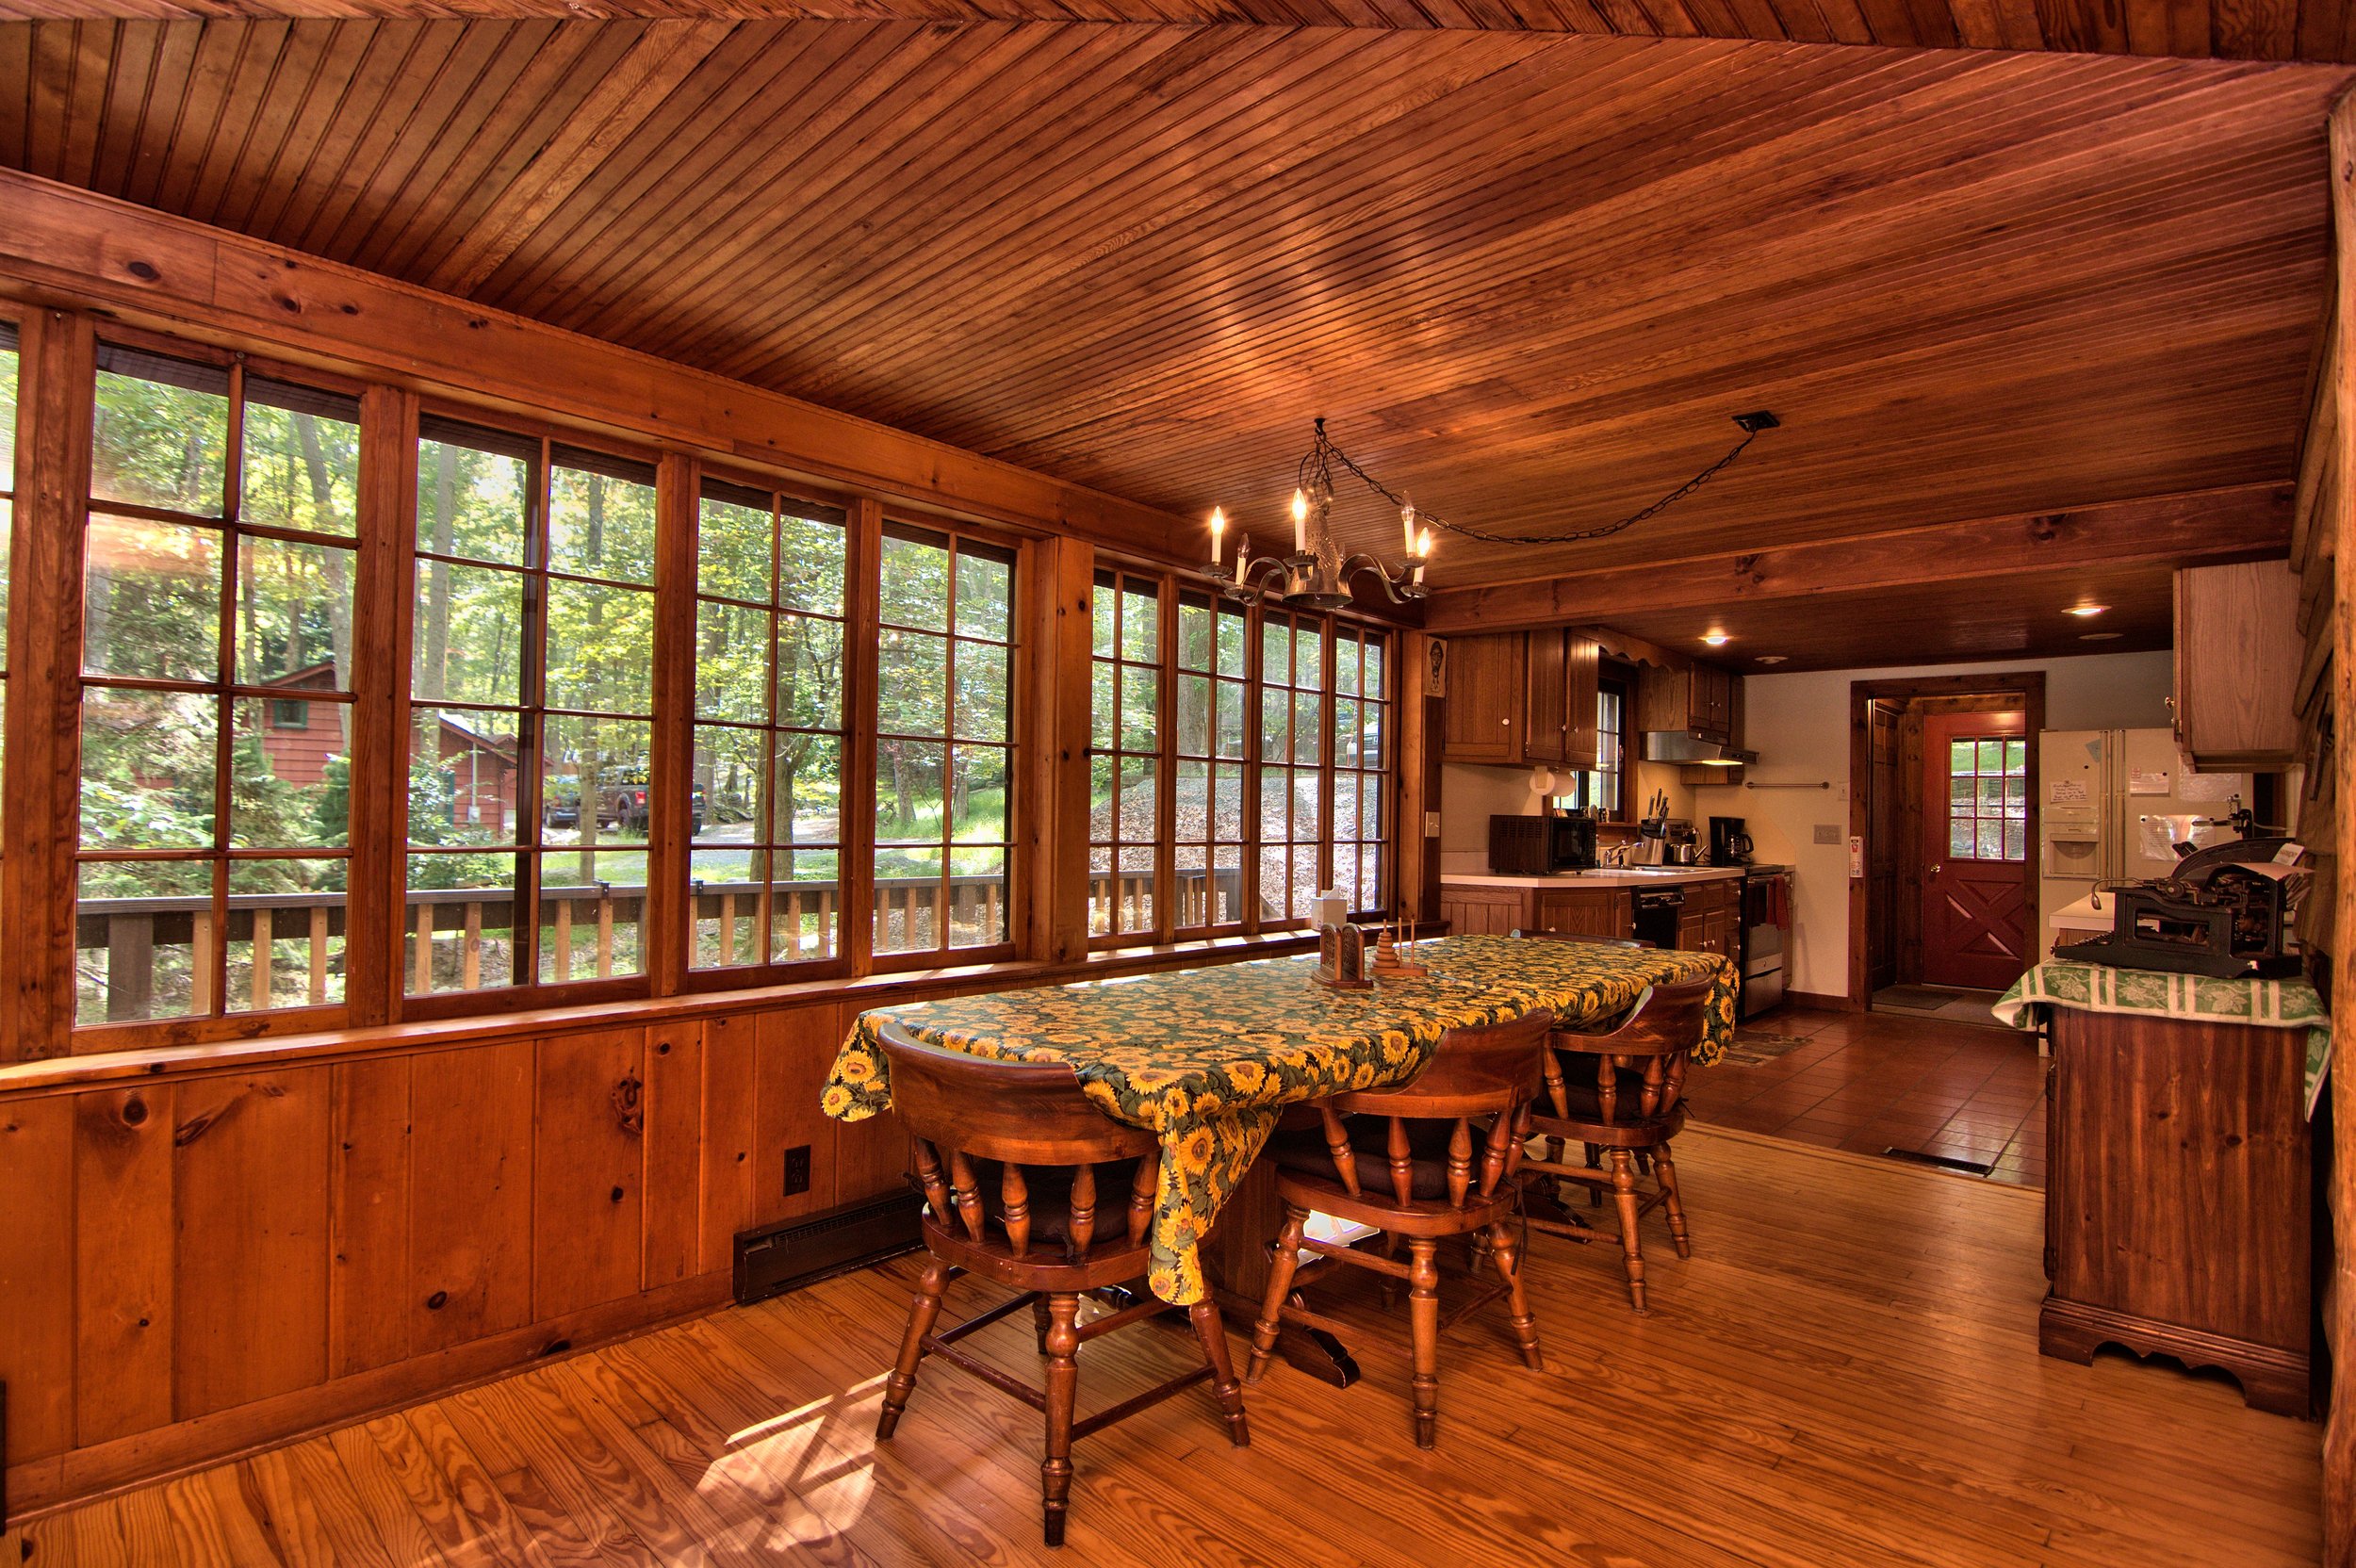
1866,1082
1845,1373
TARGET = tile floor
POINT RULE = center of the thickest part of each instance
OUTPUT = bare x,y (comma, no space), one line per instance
1867,1081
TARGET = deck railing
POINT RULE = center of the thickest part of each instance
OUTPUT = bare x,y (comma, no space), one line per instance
286,949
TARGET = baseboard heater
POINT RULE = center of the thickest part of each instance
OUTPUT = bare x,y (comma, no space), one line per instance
791,1253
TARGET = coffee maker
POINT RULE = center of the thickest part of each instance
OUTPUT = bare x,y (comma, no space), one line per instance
1728,844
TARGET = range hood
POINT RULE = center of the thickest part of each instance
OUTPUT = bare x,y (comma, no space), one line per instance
1675,745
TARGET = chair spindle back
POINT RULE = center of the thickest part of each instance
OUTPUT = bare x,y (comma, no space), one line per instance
1488,1070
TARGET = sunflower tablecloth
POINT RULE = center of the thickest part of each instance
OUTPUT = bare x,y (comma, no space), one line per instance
1207,1058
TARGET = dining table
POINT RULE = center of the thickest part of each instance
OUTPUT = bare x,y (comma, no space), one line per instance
1209,1059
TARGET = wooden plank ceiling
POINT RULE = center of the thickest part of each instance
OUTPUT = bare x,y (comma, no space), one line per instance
1528,276
2223,29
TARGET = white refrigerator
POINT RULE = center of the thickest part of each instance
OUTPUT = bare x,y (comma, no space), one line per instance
2112,803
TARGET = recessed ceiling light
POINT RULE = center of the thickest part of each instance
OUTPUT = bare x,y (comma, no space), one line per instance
1716,639
2099,636
1772,658
2084,610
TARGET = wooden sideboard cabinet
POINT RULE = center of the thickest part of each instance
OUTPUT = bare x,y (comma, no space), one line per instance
1517,697
1473,911
2177,1209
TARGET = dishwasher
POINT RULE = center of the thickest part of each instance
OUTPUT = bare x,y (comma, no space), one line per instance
1658,911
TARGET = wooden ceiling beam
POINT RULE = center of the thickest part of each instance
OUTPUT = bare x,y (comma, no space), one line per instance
2240,523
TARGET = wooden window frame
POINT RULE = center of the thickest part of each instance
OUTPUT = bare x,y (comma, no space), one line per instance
1186,591
1160,847
214,1019
526,989
840,962
1022,647
1624,677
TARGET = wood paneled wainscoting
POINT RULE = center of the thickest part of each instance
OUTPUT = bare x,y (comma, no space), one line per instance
214,1248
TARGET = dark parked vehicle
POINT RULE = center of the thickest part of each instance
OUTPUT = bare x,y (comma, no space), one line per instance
620,806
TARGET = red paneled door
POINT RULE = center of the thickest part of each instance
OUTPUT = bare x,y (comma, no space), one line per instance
1975,823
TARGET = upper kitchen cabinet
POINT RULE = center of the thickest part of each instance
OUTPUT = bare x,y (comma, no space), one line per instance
1481,718
1558,716
1698,700
2237,656
1515,698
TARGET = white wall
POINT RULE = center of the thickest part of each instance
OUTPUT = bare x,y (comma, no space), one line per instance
1799,725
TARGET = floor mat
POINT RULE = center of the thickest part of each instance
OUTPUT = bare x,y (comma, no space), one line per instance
1755,1047
1942,1002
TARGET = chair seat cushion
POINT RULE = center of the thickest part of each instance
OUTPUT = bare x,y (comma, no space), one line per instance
1304,1151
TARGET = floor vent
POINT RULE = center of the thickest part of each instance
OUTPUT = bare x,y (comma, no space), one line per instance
1941,1162
797,1252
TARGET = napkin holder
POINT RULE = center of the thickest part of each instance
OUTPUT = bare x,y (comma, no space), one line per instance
1342,957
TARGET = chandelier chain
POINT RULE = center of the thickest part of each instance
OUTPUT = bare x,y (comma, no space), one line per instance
1325,446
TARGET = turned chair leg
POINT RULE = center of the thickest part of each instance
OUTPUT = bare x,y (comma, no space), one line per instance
1672,1200
1390,1285
1279,1284
1211,1330
923,1309
1039,1320
1623,1194
1063,1391
1595,1162
1501,1252
1423,1317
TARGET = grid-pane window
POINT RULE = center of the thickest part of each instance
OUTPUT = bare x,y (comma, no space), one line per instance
216,607
1362,766
1608,783
765,878
944,728
1293,724
1209,742
1125,775
531,732
1988,816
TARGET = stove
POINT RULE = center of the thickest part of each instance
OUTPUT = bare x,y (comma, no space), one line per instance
1766,936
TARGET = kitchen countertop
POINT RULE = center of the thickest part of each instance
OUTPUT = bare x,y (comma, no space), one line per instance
1604,877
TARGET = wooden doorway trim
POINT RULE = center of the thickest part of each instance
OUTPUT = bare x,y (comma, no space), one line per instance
2028,687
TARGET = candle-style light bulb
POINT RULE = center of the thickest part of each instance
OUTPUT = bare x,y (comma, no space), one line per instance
1219,526
1423,544
1407,522
1300,523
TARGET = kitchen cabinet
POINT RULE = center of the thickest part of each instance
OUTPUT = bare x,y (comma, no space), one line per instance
1515,698
1707,923
1699,700
1607,912
2239,652
1481,717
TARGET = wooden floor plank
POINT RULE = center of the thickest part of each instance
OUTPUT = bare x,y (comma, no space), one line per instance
1846,1372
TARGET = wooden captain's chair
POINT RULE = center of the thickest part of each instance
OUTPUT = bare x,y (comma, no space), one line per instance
1402,1160
1027,1132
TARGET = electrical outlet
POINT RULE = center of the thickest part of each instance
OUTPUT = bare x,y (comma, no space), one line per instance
1827,833
797,1169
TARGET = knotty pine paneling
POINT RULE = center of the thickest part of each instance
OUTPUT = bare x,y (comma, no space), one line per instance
588,1170
37,1264
244,1246
368,1169
470,1193
793,1052
249,1257
671,1245
122,1276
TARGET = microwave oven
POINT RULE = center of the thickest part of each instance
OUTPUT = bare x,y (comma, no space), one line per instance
1540,846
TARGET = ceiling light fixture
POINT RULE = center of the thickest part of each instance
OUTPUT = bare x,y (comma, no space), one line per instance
2099,636
1716,639
2085,610
1316,574
1772,658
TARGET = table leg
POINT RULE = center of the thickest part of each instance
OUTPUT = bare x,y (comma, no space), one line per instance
1234,1256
